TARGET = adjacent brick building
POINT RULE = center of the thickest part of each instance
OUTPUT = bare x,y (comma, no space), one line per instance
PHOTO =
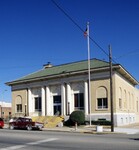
5,110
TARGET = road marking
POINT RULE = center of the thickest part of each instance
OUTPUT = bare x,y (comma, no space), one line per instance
27,144
42,141
13,147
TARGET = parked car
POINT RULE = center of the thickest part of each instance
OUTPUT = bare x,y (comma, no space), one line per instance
25,123
1,123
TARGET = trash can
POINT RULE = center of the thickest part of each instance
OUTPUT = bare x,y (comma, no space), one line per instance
99,128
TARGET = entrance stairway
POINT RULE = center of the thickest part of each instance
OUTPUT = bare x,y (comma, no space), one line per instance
49,121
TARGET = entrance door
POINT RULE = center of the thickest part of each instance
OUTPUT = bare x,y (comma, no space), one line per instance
57,105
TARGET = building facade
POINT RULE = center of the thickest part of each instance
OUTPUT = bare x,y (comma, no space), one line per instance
6,110
63,89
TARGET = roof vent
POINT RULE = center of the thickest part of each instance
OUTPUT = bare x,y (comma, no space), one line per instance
48,65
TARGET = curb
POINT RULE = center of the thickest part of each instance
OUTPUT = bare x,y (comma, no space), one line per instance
81,131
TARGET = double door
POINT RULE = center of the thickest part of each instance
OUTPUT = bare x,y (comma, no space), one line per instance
57,105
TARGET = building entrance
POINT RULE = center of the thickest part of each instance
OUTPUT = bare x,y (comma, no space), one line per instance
57,104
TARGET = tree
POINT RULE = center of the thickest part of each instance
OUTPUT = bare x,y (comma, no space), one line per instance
77,117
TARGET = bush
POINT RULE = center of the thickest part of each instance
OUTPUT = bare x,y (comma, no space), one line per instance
69,123
77,117
101,122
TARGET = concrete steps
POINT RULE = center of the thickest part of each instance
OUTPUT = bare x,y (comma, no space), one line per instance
49,121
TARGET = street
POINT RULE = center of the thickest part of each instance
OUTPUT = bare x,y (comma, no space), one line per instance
49,140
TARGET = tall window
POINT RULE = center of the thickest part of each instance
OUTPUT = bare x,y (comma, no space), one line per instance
18,102
19,107
102,100
125,100
137,105
120,98
129,100
79,101
57,105
38,104
120,103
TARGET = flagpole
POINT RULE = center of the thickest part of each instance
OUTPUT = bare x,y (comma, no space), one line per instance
89,85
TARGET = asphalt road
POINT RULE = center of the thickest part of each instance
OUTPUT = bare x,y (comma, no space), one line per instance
48,140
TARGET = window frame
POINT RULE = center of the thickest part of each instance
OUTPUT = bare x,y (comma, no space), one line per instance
37,104
79,101
104,103
19,108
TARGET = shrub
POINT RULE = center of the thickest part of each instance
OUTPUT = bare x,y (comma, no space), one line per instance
77,117
68,123
101,122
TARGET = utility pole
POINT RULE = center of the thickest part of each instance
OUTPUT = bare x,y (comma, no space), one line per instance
111,88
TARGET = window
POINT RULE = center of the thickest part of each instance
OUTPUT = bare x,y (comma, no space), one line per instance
120,98
120,103
19,107
18,102
125,100
79,101
137,106
102,103
102,100
57,105
38,104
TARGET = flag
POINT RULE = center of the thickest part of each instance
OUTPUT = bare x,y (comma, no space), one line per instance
85,33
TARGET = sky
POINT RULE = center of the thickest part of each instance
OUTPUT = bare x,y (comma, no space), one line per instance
34,32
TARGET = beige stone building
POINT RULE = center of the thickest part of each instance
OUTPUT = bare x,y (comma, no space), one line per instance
64,88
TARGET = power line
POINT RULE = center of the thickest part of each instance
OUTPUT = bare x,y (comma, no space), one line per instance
66,14
81,29
129,53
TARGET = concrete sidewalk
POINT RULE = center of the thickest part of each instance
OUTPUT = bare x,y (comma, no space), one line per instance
131,129
92,130
127,130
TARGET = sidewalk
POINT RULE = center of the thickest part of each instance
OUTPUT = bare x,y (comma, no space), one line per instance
92,130
130,129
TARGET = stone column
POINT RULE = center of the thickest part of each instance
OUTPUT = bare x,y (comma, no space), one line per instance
63,99
43,100
30,104
48,102
86,97
68,99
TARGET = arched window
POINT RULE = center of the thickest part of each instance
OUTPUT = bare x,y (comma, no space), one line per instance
137,105
78,93
18,102
102,100
125,99
129,98
133,102
120,97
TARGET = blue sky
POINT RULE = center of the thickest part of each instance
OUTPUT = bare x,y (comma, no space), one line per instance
34,32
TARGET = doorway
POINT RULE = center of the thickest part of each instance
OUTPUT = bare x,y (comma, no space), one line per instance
57,105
